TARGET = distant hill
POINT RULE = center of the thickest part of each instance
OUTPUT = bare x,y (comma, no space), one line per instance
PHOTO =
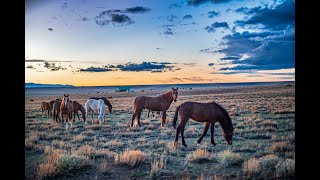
34,85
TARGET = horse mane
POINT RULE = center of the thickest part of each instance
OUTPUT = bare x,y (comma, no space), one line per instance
105,100
226,116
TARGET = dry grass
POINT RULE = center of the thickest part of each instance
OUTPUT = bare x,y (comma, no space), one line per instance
228,158
280,147
286,168
103,165
130,157
268,161
157,166
251,166
85,150
199,156
46,170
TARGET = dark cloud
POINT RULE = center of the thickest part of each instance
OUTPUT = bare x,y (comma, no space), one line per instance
212,14
189,64
279,18
210,64
84,19
137,9
207,50
227,10
30,67
50,29
212,27
53,67
102,19
172,18
186,17
168,31
144,66
95,69
282,74
241,10
121,19
230,58
175,5
199,2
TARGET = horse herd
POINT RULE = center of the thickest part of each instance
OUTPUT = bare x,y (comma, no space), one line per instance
209,113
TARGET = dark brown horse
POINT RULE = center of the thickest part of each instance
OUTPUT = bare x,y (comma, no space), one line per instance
66,108
210,113
56,111
158,103
78,107
105,100
51,104
45,106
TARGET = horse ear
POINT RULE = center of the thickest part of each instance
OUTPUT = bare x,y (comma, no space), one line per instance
172,88
177,88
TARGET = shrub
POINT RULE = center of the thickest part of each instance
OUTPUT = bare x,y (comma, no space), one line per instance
199,156
251,166
228,158
285,168
130,157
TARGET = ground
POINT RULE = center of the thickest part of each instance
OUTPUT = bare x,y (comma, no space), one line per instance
263,141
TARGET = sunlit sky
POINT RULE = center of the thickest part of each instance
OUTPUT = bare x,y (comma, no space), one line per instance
127,42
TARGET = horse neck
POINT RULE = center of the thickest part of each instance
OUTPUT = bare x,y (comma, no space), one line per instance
225,125
168,97
108,103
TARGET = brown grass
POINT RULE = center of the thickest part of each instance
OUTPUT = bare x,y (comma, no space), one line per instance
130,157
251,166
199,156
85,150
280,147
228,158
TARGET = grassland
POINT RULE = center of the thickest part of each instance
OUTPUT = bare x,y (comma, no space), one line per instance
263,141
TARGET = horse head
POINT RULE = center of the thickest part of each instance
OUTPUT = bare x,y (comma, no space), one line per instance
175,94
227,134
65,99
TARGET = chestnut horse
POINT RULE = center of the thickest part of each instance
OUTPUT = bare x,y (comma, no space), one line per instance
45,106
78,107
158,103
66,108
56,111
105,100
210,113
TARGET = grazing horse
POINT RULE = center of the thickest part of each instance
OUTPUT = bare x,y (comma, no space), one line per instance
78,107
66,108
105,100
209,113
158,103
56,111
96,105
45,106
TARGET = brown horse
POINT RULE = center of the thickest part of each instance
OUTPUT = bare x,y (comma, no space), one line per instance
51,104
66,108
158,103
45,106
105,100
56,111
78,107
209,113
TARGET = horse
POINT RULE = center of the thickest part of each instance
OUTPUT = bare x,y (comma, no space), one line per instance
96,105
105,100
56,111
66,108
51,104
157,103
78,107
210,113
45,106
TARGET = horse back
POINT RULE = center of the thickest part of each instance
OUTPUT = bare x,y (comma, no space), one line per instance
201,112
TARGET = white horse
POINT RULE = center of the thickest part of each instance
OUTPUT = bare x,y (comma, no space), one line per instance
98,106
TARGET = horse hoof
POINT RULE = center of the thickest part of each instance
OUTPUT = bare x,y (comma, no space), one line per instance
184,145
213,144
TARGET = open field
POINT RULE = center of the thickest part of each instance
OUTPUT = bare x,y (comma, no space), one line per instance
263,142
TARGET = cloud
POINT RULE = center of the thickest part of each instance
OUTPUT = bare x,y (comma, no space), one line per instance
212,27
242,10
53,67
95,69
121,19
168,31
212,14
230,58
144,66
186,17
137,9
50,29
207,50
175,5
189,64
210,64
199,2
279,18
172,18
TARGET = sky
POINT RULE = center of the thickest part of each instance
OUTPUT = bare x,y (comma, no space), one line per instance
135,42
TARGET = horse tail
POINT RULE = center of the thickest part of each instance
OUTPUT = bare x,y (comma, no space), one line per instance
225,114
175,118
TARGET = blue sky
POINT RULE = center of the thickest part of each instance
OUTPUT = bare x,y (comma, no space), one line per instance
250,39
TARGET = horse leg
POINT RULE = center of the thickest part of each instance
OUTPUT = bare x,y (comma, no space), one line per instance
133,117
74,116
204,132
183,121
70,119
139,115
78,116
182,130
148,113
212,134
164,116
